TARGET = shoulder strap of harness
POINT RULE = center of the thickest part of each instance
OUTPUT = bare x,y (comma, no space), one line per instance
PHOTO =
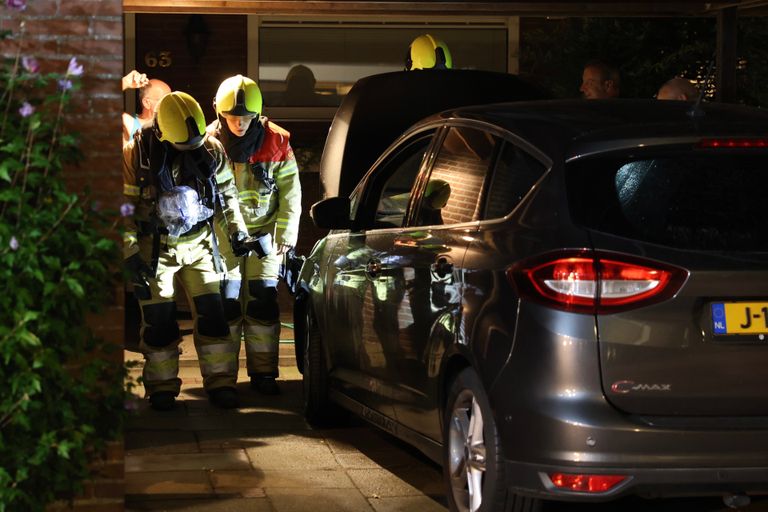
143,141
204,165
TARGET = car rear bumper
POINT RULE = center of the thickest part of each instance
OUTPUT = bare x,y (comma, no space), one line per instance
587,435
552,416
592,437
533,480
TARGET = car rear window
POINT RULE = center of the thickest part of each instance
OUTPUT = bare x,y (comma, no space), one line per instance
692,200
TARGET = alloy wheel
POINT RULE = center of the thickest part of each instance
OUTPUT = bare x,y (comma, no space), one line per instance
467,460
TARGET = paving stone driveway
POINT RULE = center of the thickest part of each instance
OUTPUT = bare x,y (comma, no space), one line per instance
263,457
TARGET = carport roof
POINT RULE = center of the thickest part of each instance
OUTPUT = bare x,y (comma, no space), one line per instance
443,8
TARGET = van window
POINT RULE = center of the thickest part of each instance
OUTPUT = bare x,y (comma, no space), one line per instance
703,201
455,185
392,183
516,172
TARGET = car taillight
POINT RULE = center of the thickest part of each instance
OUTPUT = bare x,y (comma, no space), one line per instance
569,281
727,143
597,282
585,483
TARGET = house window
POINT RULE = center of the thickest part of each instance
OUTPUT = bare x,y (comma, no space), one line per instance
315,65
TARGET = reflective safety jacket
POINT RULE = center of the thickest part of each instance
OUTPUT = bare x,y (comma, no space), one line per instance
269,186
144,196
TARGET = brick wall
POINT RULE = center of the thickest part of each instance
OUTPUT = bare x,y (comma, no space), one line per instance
54,31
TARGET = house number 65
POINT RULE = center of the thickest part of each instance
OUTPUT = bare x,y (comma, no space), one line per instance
162,59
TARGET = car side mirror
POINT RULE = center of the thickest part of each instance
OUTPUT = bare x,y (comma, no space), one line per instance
331,213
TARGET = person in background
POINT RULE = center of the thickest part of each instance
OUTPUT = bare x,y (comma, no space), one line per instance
428,52
600,81
150,92
678,88
300,86
179,182
267,178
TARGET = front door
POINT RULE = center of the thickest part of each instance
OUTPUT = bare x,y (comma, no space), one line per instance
431,253
368,288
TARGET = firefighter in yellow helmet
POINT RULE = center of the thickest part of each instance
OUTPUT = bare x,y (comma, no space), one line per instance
267,178
177,180
428,52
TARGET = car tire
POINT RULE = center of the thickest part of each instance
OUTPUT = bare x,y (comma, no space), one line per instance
472,455
300,305
319,411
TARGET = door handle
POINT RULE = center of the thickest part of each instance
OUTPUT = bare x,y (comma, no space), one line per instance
442,267
373,268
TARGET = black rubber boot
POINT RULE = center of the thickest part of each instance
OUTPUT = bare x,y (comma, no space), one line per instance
162,400
265,385
224,398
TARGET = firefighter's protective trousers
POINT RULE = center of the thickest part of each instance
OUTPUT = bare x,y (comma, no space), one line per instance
269,194
252,310
190,258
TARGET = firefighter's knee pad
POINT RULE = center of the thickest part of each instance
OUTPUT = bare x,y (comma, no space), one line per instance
211,320
232,309
161,329
230,291
263,303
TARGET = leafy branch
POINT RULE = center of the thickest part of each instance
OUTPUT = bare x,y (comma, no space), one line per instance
62,397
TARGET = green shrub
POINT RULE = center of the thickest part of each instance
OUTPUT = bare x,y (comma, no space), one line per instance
62,395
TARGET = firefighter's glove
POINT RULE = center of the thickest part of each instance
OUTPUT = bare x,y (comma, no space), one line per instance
290,269
239,247
139,273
